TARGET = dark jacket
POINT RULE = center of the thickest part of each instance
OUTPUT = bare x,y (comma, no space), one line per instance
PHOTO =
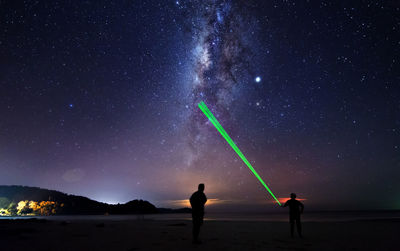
295,207
197,201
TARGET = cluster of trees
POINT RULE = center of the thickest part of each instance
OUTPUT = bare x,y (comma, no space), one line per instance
7,208
28,207
38,208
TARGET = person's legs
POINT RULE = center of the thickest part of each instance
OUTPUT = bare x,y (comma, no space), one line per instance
197,222
298,224
196,229
291,226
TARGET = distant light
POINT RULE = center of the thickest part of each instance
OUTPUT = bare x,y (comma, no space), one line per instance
258,79
71,105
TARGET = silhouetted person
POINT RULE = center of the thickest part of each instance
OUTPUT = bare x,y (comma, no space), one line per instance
197,201
295,209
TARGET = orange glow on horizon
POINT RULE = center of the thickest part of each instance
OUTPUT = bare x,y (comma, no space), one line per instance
283,200
217,202
186,203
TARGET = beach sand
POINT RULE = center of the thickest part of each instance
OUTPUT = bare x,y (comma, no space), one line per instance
176,235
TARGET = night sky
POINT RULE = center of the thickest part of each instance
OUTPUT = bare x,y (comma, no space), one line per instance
99,98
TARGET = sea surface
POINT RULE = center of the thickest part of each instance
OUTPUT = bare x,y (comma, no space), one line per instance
335,216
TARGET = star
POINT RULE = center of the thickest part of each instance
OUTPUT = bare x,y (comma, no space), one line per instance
257,79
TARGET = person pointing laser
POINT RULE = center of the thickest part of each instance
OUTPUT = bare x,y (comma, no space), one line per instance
295,209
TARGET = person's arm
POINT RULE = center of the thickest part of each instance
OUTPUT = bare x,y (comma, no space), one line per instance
191,200
204,199
286,204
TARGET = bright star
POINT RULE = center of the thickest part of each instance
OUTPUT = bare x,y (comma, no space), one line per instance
71,105
258,79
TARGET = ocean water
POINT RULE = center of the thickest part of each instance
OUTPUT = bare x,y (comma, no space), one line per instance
334,216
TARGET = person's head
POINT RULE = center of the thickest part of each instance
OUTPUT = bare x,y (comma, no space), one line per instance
201,187
293,195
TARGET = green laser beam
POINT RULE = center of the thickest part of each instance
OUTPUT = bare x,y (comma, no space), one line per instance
228,139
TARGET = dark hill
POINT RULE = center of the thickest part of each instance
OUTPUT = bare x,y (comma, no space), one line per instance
48,202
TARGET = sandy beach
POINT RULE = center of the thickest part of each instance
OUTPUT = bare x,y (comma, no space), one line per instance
176,235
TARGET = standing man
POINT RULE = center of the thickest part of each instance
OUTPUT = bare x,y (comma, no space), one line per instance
295,209
197,201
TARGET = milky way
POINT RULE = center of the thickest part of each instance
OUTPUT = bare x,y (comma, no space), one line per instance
221,33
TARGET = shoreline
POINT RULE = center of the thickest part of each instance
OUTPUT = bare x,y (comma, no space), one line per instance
333,216
176,235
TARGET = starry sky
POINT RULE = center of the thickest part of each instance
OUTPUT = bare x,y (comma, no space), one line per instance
99,98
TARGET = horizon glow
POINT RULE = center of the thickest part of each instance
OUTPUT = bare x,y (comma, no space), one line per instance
203,107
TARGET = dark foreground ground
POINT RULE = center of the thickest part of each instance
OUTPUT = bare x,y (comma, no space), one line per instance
176,235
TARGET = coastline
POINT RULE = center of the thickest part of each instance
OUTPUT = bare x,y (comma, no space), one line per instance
147,234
